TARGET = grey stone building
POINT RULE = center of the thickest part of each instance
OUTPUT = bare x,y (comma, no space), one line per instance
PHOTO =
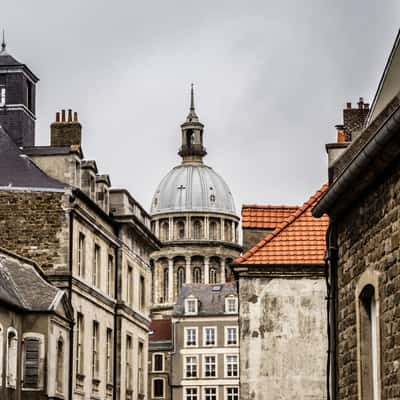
205,363
363,247
282,315
90,240
35,326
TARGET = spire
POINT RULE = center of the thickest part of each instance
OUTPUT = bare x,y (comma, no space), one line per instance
192,116
3,43
191,95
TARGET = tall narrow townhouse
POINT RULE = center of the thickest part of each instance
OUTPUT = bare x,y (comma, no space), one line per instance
90,241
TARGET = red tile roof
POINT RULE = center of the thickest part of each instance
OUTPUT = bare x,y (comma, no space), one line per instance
298,239
263,217
162,329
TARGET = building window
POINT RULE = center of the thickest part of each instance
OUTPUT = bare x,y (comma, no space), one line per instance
210,393
164,231
165,288
2,96
31,358
209,336
210,366
231,336
197,234
109,355
368,343
191,367
79,344
231,305
60,366
96,266
158,362
158,388
228,231
191,394
142,293
81,255
213,275
231,366
95,350
180,230
110,275
128,363
140,368
129,286
196,275
180,278
191,337
29,95
213,230
191,306
12,354
232,393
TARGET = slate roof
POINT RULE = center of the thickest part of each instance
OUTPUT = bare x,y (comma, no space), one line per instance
17,170
298,239
211,301
7,60
23,287
265,216
162,330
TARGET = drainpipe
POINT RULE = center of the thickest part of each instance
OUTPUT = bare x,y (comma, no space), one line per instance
116,266
71,332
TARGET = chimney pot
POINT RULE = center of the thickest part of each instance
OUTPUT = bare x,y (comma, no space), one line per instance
62,115
341,135
75,116
57,116
366,106
69,115
348,104
361,103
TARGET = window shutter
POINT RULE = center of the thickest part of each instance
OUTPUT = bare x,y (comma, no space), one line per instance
31,362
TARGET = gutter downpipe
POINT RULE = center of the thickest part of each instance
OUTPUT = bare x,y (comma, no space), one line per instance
71,332
385,133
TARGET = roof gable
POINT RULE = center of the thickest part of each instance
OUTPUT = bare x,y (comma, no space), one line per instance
298,239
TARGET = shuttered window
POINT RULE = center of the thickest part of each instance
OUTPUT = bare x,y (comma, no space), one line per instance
31,362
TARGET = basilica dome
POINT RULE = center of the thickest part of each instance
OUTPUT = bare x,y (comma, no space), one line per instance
193,187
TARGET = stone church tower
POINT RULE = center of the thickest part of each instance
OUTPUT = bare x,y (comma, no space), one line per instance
194,216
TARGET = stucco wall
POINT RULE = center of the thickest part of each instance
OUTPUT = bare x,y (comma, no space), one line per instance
283,338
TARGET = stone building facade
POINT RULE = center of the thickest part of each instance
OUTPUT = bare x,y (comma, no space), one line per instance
206,336
363,251
282,315
194,217
35,326
90,240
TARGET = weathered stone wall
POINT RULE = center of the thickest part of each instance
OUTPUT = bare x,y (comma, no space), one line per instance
283,342
35,225
369,239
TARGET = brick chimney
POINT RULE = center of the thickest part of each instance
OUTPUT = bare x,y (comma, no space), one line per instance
354,119
66,130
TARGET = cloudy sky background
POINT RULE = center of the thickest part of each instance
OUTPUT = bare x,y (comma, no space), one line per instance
271,80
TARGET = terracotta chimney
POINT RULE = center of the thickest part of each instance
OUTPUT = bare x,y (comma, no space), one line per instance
65,133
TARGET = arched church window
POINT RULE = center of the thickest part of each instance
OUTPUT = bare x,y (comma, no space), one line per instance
190,137
164,231
197,230
228,231
197,275
213,275
12,356
213,230
165,285
180,278
60,366
180,228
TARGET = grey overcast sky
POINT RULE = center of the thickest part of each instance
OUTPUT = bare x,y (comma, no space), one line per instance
271,80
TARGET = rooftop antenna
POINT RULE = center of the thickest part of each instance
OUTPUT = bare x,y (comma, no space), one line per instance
3,43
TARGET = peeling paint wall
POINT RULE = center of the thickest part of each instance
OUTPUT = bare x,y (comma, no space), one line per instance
283,346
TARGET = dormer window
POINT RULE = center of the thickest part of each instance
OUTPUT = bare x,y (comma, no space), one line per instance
2,96
191,306
231,305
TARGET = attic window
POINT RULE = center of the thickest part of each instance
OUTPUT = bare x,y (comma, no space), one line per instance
212,198
191,306
231,305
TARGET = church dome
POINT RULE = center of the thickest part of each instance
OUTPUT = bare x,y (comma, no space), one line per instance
193,187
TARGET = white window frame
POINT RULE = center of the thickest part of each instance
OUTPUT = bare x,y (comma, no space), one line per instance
197,367
205,336
196,306
185,330
209,387
152,387
227,300
226,336
198,394
204,365
231,387
154,363
226,365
